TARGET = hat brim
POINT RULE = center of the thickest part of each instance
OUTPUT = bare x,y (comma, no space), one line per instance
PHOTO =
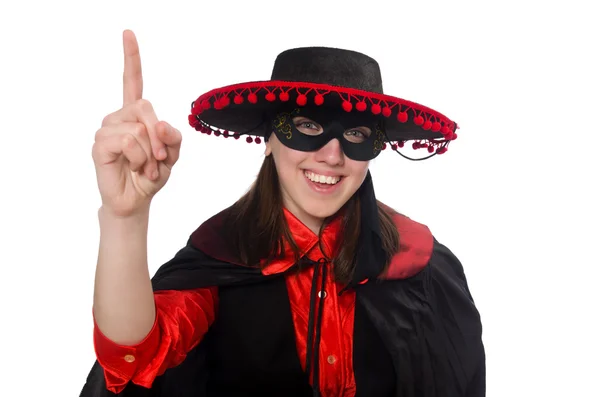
240,109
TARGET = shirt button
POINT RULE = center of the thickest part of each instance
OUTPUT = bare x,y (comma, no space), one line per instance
331,359
322,294
129,358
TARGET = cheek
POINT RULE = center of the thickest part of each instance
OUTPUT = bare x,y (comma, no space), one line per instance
288,161
358,169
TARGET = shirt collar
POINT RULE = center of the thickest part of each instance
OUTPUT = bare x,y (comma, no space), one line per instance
307,241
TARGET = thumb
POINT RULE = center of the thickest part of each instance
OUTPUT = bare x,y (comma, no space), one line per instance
171,138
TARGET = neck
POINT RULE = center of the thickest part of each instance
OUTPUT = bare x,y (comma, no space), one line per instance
311,222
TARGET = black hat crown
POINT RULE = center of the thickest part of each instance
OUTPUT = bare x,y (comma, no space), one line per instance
332,66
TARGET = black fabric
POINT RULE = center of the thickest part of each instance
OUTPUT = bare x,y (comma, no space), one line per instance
371,257
331,66
373,366
251,345
428,324
431,327
335,123
321,65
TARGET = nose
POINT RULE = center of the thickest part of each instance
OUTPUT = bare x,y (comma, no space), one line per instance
331,154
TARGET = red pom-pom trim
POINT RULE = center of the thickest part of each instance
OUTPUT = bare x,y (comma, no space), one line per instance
301,100
427,119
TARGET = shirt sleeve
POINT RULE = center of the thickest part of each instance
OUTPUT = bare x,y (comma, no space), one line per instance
182,320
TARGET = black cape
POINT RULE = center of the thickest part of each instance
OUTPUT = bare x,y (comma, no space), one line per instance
428,322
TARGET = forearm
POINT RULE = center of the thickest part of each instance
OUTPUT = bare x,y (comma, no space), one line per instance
123,298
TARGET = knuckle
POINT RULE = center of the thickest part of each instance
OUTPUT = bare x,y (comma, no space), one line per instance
139,130
145,105
106,120
100,134
129,141
110,118
94,151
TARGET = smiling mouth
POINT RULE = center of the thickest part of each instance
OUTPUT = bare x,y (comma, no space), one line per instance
322,179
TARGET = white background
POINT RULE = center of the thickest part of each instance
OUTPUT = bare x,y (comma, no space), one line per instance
516,196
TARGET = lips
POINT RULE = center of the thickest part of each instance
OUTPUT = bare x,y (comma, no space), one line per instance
330,184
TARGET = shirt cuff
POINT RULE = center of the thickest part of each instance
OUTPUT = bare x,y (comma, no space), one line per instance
121,362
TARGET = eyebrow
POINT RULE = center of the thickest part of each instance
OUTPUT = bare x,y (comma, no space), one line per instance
361,127
303,118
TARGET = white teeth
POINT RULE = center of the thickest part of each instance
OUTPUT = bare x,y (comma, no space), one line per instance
330,180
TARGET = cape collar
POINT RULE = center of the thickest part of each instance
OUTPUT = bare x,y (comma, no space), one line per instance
416,244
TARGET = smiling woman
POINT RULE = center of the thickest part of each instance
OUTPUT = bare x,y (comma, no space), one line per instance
307,285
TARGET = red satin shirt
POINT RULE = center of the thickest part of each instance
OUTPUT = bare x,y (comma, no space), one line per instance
183,317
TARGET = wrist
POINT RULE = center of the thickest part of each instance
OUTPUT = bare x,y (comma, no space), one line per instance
110,220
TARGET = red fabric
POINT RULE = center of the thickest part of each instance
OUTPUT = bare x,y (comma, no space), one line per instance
416,246
182,319
336,373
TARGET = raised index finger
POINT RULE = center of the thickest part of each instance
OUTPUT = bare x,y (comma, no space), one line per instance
132,73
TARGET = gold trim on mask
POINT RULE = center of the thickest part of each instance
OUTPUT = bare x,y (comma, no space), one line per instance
283,123
379,140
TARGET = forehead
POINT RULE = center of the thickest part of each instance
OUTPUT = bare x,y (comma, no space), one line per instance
325,115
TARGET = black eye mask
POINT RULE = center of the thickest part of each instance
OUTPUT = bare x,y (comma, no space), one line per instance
334,124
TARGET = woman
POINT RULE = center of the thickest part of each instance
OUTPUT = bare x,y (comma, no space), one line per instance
305,286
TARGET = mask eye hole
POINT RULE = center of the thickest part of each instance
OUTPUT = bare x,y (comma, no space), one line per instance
357,134
307,126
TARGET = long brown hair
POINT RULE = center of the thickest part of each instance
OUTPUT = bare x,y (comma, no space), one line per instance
257,230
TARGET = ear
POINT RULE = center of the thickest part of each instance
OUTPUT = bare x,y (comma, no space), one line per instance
268,148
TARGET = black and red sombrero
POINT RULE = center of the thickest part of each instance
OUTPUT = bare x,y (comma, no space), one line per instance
321,76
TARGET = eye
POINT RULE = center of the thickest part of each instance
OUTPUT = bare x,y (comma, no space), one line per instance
358,135
307,126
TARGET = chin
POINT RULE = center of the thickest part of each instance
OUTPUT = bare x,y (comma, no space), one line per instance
321,209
